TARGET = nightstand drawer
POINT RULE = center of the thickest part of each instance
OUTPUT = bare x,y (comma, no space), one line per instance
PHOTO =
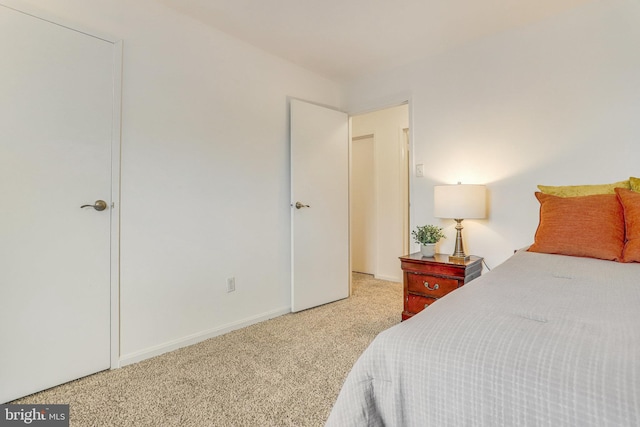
417,303
430,285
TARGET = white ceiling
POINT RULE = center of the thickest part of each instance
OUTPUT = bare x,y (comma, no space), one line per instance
344,39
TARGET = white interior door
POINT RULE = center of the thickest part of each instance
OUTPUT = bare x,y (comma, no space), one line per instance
319,179
56,121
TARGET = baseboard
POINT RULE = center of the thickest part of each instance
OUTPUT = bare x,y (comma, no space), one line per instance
188,340
388,278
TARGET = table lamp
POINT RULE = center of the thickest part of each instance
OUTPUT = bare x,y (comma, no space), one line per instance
461,201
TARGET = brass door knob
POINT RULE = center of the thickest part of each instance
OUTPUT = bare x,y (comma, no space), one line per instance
100,205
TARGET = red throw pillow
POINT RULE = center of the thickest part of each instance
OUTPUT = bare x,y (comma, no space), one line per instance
630,201
585,226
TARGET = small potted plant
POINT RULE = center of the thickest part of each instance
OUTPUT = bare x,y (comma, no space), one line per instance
428,236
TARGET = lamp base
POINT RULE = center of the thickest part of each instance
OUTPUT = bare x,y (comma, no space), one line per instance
459,256
459,259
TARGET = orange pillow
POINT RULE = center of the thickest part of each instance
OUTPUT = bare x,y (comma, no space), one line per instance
586,226
631,205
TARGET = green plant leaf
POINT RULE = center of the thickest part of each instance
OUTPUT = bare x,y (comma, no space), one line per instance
427,234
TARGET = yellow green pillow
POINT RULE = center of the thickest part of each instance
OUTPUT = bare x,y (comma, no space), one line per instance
585,190
635,184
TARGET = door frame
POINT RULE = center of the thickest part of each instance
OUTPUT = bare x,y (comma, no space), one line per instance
116,153
116,142
406,214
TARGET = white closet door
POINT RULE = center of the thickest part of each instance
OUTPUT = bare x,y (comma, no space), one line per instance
56,118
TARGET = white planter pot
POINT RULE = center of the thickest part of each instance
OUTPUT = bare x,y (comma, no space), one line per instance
428,250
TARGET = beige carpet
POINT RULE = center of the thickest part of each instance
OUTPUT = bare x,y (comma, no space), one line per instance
283,372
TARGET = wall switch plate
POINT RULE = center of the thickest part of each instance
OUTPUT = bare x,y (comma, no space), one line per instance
231,284
420,170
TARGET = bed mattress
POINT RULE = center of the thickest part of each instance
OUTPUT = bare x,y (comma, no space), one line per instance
542,340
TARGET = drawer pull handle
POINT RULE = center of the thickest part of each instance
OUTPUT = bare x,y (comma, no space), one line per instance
429,303
434,288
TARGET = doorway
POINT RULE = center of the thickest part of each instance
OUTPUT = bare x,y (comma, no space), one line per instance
363,205
380,191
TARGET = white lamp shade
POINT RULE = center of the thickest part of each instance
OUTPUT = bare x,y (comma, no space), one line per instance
461,201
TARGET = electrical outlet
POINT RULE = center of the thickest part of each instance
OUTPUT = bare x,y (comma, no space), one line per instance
231,284
420,170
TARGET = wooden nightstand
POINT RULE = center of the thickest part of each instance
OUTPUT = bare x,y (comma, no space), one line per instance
428,279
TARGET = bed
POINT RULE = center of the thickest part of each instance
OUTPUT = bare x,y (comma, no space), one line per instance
544,339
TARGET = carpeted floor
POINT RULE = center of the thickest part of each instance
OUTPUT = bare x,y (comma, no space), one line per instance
286,371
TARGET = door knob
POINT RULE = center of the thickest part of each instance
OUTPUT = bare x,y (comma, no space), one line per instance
300,205
99,206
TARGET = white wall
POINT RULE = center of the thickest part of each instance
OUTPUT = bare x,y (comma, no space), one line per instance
554,103
205,191
205,181
387,127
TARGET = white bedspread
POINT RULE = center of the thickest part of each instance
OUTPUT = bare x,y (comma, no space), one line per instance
542,340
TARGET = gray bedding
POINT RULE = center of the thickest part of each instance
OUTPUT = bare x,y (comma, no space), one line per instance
542,340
